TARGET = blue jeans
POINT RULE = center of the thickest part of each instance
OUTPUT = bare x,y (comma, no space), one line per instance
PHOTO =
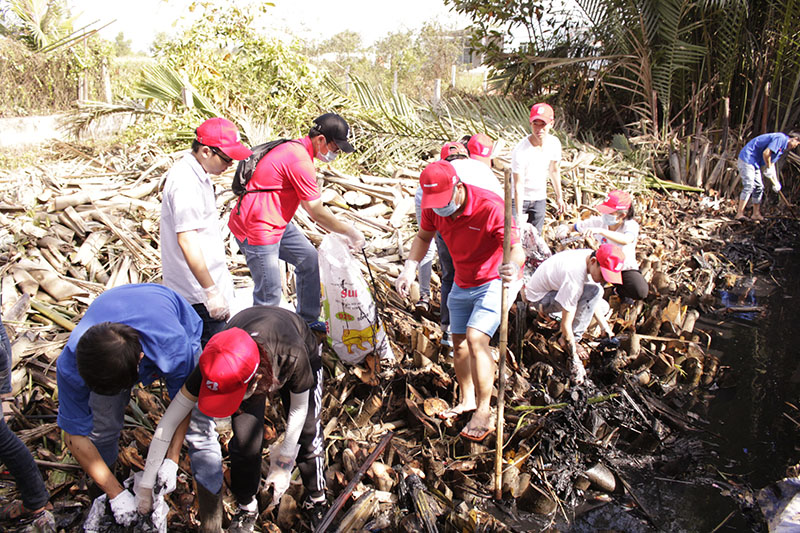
591,296
752,184
448,275
211,326
108,416
295,249
13,453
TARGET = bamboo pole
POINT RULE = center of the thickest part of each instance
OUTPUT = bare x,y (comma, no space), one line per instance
501,368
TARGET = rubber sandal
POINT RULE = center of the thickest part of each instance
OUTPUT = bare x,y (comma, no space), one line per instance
477,438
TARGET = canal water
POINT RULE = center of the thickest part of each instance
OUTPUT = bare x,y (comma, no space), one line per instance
750,441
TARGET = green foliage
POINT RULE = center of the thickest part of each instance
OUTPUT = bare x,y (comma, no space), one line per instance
658,67
237,72
37,23
35,83
122,46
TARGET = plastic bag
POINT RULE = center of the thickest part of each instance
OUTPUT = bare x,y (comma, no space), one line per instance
354,330
536,250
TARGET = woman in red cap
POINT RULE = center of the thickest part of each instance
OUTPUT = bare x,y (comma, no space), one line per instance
616,225
265,349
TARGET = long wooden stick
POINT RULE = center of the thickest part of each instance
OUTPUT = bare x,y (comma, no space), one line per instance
327,520
501,369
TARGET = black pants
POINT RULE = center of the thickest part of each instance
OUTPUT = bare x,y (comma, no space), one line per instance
248,437
633,286
211,326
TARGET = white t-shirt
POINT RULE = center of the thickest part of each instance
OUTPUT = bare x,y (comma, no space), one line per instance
188,203
565,273
629,227
532,163
475,173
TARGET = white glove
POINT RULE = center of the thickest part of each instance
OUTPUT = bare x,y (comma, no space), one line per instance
776,186
124,508
281,465
355,239
406,277
216,304
508,272
166,480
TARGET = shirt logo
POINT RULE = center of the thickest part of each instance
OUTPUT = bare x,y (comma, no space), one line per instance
212,385
473,227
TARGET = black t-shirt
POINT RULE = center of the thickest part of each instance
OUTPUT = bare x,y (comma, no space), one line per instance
291,345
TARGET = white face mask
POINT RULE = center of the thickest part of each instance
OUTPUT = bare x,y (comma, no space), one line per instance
609,219
327,157
447,210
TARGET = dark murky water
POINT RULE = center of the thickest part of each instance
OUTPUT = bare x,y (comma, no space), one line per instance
750,441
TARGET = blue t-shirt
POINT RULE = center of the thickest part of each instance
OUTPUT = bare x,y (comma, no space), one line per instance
169,332
753,151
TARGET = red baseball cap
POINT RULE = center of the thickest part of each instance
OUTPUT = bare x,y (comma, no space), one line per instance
480,147
615,201
227,365
223,134
437,181
610,258
453,148
542,111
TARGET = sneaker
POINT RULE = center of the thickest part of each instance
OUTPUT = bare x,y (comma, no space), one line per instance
319,326
243,521
315,512
423,306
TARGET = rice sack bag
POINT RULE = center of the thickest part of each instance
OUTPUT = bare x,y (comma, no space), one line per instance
350,314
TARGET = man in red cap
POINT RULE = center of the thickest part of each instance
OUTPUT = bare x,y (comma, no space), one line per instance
536,158
265,349
284,179
471,222
569,282
193,258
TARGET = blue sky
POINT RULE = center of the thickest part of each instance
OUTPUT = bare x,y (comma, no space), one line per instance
316,20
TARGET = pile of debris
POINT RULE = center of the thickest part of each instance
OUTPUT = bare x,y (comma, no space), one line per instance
84,221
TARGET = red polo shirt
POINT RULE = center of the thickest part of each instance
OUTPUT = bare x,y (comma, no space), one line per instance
288,173
474,238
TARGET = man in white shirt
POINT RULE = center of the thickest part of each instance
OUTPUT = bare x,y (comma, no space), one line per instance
193,256
536,158
568,282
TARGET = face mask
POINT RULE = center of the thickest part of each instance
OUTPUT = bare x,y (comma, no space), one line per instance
609,220
327,157
447,210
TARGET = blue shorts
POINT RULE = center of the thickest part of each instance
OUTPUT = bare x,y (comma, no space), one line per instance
476,307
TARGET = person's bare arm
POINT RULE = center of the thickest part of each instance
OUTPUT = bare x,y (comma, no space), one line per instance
567,317
554,172
767,157
322,215
85,452
420,245
189,243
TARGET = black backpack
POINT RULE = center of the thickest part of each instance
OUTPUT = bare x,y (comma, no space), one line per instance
246,167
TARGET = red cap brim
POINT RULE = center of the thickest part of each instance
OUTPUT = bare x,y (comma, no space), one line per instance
237,151
219,404
436,199
606,210
611,276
